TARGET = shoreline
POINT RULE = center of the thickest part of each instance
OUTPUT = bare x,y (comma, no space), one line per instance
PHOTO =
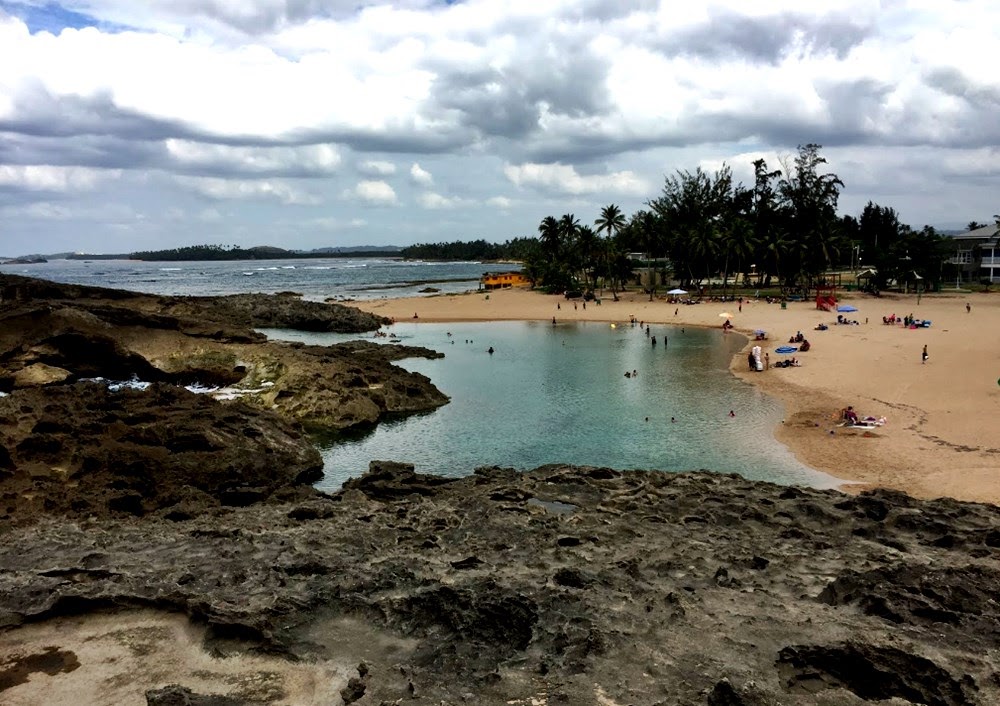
937,442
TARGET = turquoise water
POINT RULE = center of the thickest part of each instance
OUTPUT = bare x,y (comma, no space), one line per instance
558,394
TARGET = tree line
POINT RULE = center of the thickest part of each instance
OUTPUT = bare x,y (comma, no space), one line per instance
783,230
235,252
478,250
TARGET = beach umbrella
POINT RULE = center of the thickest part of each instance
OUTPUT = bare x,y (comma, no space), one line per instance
726,315
677,291
846,308
759,331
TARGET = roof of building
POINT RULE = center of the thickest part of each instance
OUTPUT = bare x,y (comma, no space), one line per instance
979,233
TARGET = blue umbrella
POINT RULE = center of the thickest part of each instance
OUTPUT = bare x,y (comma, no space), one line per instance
847,308
791,349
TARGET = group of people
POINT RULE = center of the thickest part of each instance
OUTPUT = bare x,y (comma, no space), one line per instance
907,321
841,319
849,417
804,344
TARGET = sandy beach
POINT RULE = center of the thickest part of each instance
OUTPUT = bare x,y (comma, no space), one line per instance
939,439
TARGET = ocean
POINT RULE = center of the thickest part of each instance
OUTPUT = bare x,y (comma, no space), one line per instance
342,279
548,394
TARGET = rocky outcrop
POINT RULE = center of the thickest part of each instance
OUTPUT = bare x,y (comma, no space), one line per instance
83,450
60,334
287,310
560,585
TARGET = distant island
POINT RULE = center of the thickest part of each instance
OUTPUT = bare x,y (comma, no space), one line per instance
480,250
260,252
29,260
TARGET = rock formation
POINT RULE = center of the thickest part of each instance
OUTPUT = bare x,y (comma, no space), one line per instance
572,585
60,334
557,585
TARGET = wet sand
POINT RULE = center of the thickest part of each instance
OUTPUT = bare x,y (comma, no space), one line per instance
939,439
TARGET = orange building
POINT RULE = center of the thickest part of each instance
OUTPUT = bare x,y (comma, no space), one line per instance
503,280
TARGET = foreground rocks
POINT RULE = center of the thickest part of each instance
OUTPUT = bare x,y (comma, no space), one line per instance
54,334
83,450
558,585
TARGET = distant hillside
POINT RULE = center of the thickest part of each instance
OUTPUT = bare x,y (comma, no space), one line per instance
358,250
260,252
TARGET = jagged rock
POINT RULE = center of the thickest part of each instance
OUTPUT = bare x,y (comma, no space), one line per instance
53,334
873,672
286,310
632,613
176,695
38,374
83,449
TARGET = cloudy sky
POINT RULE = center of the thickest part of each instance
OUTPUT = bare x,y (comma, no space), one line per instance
144,124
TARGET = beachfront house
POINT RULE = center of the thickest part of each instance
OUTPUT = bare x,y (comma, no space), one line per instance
976,255
503,280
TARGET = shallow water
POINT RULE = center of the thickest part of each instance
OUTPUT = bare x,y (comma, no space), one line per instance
558,394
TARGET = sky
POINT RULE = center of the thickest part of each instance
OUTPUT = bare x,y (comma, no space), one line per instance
145,124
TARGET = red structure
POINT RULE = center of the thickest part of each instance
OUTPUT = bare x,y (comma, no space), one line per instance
826,298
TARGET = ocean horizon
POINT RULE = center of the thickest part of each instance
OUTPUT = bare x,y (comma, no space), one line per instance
316,279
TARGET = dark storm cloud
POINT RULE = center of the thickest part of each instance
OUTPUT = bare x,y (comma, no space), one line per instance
953,82
488,101
93,131
765,39
509,102
99,151
38,113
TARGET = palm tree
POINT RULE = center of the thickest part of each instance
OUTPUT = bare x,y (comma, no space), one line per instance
587,245
550,234
611,220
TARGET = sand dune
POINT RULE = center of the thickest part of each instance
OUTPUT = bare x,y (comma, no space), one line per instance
940,439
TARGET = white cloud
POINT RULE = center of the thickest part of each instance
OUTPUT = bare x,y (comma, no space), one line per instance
34,177
564,179
249,189
375,167
73,212
431,200
420,176
500,202
373,192
263,102
314,159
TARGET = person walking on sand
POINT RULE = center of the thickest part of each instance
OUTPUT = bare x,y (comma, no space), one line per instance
767,361
968,307
923,356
